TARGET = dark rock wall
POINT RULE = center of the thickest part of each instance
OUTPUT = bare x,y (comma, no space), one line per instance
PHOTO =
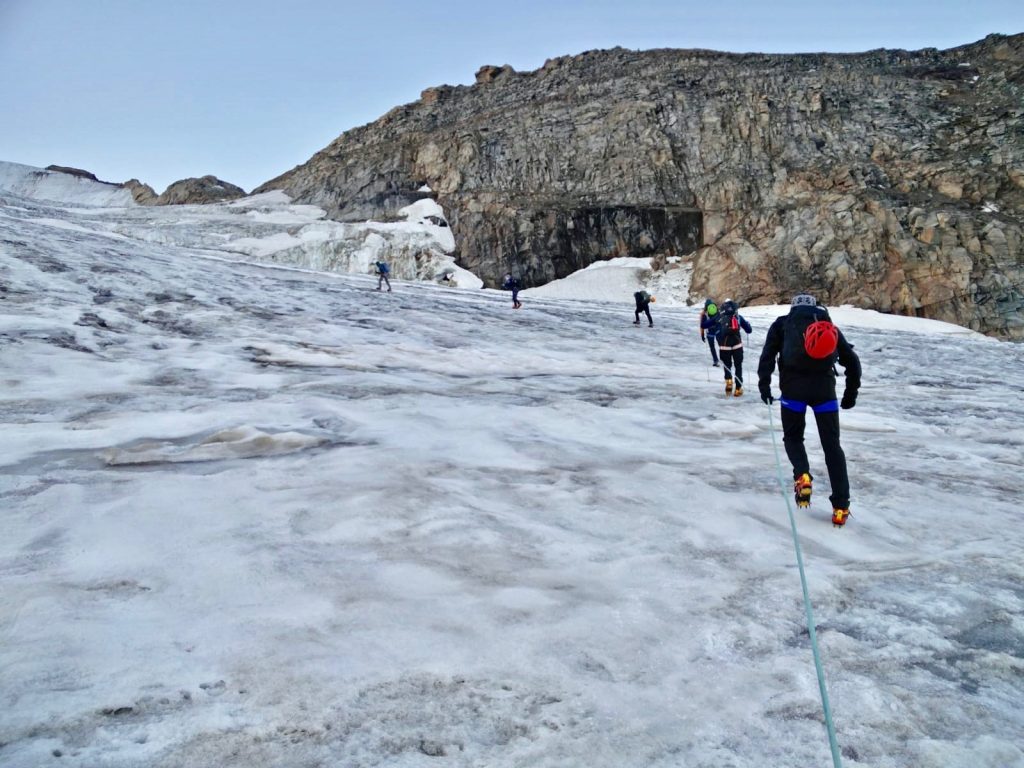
547,243
891,180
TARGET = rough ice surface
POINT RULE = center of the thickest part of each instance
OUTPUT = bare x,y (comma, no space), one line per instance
263,516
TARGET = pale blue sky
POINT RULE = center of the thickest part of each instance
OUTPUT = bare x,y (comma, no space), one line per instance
164,89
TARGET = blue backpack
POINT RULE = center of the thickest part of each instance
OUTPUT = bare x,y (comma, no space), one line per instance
383,268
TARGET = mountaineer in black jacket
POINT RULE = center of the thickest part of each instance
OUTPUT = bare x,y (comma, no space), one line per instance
808,345
643,304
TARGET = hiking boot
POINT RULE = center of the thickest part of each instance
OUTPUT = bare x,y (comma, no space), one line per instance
802,491
650,325
728,386
738,391
839,516
715,364
636,322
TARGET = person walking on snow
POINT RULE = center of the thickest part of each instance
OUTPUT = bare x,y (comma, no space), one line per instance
730,344
807,346
382,274
709,327
510,283
643,304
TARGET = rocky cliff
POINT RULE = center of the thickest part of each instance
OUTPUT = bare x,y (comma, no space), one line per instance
207,189
143,194
889,179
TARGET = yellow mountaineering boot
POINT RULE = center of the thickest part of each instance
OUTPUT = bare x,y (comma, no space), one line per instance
839,517
728,386
738,391
802,490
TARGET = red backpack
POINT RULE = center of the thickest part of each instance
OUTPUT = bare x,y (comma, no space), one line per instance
798,341
730,333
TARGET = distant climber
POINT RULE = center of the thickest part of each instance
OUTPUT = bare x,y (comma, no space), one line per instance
643,304
709,327
730,344
510,283
383,270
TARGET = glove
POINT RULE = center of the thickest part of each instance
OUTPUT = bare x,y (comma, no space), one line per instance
849,400
702,335
766,396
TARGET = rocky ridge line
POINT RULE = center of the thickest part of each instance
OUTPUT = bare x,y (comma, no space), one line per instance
891,180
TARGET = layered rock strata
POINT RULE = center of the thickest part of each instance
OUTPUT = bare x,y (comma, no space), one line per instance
890,179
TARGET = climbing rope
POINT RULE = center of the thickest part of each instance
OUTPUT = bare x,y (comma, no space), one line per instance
829,725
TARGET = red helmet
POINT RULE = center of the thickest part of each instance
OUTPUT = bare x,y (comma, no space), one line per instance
821,339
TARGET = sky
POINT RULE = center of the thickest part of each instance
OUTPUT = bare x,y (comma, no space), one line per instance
258,514
246,90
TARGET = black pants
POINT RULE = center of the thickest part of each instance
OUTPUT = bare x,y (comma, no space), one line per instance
733,358
793,423
646,310
515,297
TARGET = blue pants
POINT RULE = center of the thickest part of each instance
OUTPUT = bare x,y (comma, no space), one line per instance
711,344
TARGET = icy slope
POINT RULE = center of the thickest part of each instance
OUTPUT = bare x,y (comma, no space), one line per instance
258,516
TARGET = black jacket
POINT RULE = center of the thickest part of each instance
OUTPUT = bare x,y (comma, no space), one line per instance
811,387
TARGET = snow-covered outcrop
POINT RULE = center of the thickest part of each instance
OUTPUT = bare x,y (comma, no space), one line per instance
418,248
265,227
60,187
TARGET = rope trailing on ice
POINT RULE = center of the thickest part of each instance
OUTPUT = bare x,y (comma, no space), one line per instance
829,725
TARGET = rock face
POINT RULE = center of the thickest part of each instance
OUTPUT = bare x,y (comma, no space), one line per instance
208,189
142,193
890,180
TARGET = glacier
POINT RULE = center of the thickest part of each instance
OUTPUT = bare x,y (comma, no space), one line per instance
255,512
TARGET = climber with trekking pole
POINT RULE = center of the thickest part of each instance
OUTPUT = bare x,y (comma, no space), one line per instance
808,345
709,327
730,345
